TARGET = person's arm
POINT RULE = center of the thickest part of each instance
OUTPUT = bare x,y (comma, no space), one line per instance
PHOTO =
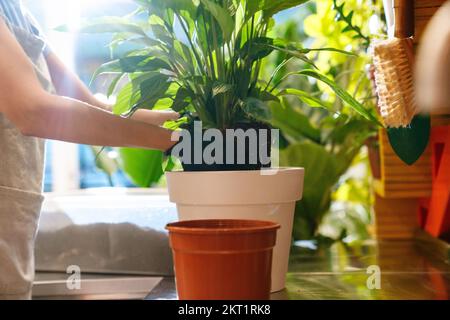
37,113
68,84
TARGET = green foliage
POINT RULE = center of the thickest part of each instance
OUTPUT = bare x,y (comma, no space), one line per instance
327,139
320,176
341,93
205,59
144,167
348,19
326,154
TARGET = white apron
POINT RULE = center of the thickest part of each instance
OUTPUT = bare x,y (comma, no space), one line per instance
21,173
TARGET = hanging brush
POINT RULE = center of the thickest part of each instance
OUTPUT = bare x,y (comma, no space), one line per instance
393,60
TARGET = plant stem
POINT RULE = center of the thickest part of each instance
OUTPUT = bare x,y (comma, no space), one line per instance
188,36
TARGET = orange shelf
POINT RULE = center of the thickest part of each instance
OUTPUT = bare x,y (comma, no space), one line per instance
438,216
399,180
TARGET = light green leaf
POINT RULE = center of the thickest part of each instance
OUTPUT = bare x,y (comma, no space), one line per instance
222,16
348,53
123,103
221,88
113,85
272,7
144,167
342,94
307,98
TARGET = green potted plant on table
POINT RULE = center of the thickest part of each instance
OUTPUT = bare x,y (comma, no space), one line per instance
203,59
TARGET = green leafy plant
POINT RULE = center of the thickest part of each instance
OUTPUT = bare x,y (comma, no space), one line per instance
204,59
347,18
320,132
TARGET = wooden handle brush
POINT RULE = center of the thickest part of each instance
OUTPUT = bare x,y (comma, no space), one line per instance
393,60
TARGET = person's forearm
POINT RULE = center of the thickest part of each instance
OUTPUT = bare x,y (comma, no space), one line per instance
68,84
65,119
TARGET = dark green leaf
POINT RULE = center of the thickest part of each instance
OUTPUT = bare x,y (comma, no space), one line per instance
152,90
293,123
347,29
180,101
267,96
258,48
350,16
131,64
411,142
257,109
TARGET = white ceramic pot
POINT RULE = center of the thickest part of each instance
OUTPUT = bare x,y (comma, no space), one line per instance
243,195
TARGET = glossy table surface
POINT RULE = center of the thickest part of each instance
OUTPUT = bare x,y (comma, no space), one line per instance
341,272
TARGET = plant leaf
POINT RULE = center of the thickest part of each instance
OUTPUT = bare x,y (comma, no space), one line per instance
222,16
348,53
180,102
411,142
263,46
342,94
307,98
256,109
144,167
123,101
221,88
131,64
152,90
257,48
113,85
294,123
272,7
320,177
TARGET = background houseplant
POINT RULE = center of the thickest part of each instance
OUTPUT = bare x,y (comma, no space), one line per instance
328,139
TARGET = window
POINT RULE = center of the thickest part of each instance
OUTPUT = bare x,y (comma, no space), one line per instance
70,166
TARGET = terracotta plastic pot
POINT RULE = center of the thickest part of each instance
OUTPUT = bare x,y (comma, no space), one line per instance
268,195
223,259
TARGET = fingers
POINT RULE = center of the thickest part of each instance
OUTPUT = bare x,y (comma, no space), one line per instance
155,117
